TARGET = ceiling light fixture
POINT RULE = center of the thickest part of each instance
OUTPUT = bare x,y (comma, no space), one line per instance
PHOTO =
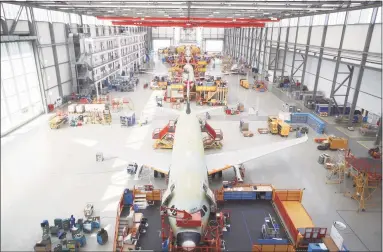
237,14
216,12
139,13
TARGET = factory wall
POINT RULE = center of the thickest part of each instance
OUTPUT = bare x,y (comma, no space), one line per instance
370,92
40,71
196,36
280,34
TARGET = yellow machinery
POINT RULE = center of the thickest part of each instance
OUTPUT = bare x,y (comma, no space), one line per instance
273,124
244,83
212,95
334,143
337,143
283,128
57,121
107,117
365,185
162,85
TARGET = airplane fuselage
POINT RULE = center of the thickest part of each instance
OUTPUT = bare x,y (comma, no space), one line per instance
188,173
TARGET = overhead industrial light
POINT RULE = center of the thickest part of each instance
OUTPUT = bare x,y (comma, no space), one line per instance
166,15
127,9
273,18
110,11
216,12
237,14
266,13
139,13
251,16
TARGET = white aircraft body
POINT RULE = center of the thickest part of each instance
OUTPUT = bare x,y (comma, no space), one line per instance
188,169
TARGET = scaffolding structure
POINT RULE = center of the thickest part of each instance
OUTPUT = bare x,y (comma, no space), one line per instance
366,177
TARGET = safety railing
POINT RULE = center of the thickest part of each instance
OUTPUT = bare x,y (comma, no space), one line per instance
119,210
286,218
289,195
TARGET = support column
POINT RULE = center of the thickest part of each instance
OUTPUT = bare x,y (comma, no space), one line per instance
255,47
306,52
277,55
251,40
249,45
362,65
295,48
324,33
259,48
286,48
270,45
351,69
337,64
55,59
264,48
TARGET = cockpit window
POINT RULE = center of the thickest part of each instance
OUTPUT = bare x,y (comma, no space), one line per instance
204,208
202,213
173,210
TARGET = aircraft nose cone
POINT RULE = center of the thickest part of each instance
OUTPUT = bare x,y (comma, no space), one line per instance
188,240
188,245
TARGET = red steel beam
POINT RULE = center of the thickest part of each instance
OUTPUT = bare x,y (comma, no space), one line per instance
196,19
189,24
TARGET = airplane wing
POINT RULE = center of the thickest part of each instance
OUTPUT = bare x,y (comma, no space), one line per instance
224,160
154,160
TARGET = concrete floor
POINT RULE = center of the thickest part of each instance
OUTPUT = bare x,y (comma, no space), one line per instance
49,174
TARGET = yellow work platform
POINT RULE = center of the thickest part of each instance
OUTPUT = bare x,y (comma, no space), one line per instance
298,214
206,88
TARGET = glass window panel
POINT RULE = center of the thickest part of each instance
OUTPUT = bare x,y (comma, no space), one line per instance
9,87
20,83
340,17
353,17
24,100
4,52
17,118
4,112
14,51
29,65
13,104
379,16
17,65
33,80
365,16
26,49
38,108
6,70
35,95
5,125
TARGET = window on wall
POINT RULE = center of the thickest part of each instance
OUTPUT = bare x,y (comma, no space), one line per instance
20,93
214,45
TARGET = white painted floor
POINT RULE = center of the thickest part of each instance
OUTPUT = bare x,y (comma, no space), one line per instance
49,174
